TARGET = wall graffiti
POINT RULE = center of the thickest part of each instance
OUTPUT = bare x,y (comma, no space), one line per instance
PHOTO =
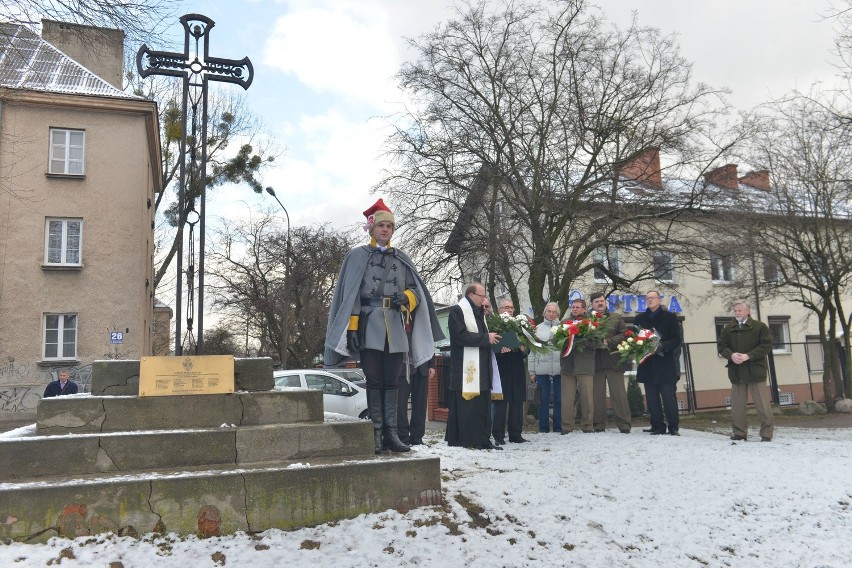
19,399
22,386
13,372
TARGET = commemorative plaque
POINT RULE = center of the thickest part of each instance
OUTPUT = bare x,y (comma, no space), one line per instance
203,374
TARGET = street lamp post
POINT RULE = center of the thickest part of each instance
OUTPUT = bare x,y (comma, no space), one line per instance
285,330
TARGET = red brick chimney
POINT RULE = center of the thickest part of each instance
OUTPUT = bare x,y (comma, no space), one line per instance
757,180
725,176
645,168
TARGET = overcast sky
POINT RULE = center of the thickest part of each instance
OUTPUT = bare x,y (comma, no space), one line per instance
323,77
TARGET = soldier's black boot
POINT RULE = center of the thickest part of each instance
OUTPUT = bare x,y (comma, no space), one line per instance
391,439
374,409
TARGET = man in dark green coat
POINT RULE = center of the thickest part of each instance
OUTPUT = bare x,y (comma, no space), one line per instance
745,343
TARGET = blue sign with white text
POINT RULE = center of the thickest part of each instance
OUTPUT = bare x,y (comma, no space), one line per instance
636,303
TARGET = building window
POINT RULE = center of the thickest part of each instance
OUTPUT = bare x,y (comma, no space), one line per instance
771,271
67,149
63,241
605,259
60,336
779,327
720,324
722,269
663,263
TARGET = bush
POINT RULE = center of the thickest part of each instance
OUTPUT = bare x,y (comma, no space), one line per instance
635,398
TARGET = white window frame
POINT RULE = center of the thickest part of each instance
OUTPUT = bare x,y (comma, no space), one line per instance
65,324
67,152
781,323
612,262
670,256
65,248
719,266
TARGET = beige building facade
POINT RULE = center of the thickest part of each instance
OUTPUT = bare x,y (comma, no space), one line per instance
701,292
79,170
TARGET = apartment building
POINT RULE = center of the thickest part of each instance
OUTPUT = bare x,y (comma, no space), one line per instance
79,170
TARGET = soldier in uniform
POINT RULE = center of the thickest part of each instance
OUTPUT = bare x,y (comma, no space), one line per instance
377,297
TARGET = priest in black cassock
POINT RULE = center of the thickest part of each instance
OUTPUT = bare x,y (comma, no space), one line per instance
472,372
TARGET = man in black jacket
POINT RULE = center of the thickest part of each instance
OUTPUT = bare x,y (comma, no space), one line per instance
659,372
513,379
61,386
416,385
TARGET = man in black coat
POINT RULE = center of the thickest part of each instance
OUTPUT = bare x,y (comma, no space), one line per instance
416,385
513,378
61,386
471,373
659,372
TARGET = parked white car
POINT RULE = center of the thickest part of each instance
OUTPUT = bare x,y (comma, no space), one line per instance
338,394
353,375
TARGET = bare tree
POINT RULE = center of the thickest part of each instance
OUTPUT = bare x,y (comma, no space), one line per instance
231,121
521,123
797,235
141,20
278,284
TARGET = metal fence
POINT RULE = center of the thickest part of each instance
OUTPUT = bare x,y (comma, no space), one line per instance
796,371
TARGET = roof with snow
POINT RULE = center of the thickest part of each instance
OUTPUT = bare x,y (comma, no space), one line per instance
28,62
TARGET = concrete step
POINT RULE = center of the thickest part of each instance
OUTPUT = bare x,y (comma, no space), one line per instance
80,414
29,458
216,502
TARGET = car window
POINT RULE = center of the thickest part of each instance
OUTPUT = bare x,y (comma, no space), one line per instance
288,381
326,383
353,375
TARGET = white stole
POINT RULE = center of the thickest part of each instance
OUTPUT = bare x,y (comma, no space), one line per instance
470,360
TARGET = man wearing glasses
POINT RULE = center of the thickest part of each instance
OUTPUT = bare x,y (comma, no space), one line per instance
513,381
471,372
659,373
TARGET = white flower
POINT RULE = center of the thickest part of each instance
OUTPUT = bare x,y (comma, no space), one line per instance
630,340
640,342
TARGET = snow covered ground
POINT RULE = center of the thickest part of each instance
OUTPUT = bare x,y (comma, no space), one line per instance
577,500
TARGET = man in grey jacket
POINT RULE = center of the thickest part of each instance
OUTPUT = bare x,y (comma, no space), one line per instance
382,313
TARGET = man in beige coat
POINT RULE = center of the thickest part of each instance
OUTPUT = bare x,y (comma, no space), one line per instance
578,370
608,372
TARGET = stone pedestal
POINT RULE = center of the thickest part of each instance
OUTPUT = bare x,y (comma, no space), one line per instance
197,464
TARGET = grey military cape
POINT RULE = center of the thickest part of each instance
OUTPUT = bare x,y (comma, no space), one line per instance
424,333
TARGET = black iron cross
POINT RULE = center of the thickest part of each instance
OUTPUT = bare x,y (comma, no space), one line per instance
196,69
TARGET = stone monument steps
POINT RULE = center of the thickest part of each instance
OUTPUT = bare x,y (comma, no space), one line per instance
205,464
121,452
218,501
86,414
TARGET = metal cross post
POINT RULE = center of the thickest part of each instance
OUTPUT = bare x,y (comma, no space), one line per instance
196,68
